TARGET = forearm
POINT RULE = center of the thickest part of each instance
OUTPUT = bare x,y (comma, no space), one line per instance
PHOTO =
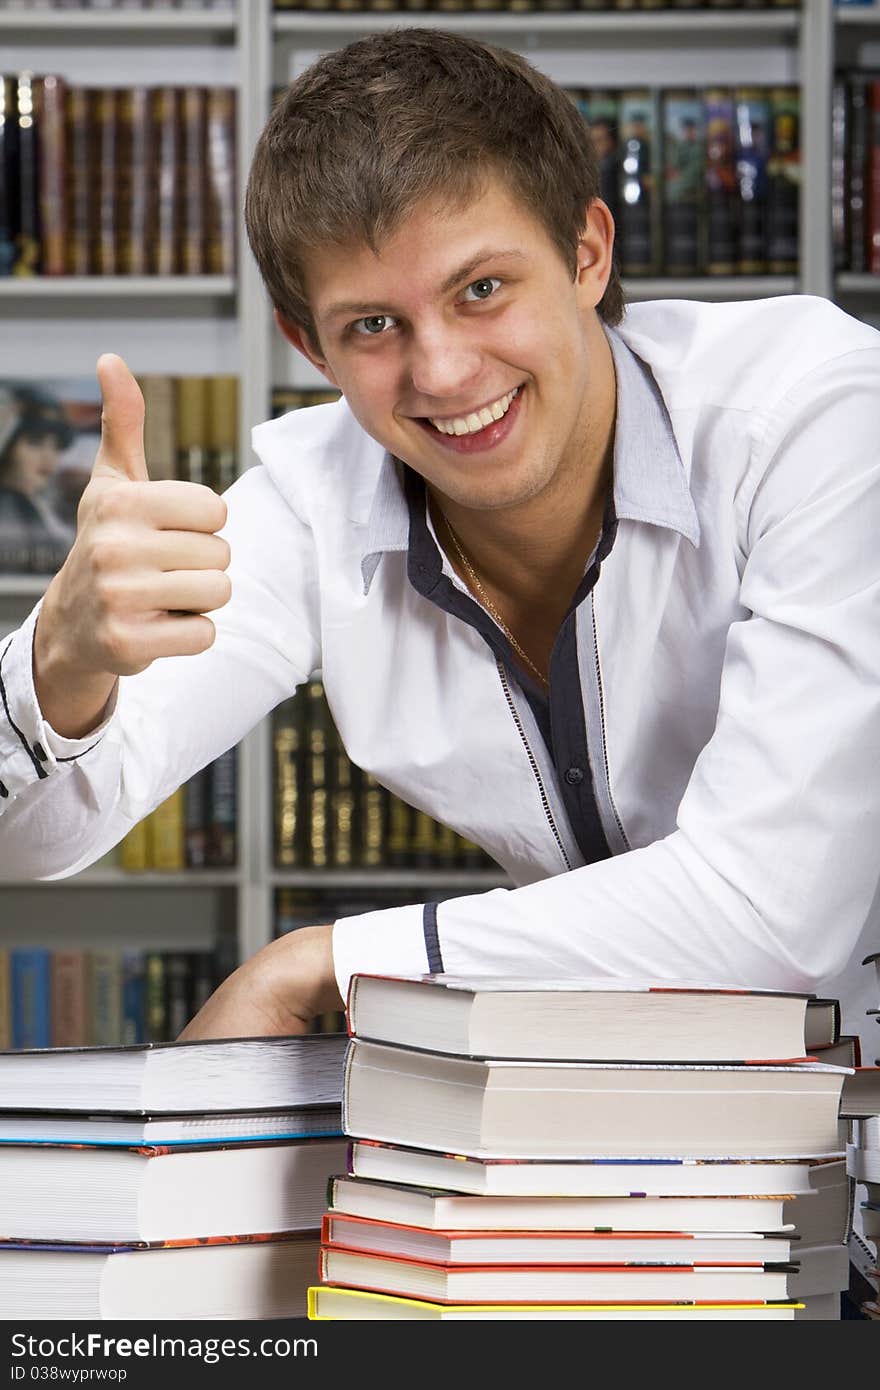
74,702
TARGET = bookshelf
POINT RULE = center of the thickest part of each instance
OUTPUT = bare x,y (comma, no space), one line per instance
166,324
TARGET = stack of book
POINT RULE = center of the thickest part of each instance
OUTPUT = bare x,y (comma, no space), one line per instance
863,1167
585,1150
185,1180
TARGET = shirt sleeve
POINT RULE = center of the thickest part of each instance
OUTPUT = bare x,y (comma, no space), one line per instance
64,803
771,872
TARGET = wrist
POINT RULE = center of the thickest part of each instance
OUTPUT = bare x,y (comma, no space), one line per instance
71,700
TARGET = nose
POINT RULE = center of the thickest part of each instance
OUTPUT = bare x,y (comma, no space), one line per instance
443,363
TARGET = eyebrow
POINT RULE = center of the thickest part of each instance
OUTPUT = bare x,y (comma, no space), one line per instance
462,273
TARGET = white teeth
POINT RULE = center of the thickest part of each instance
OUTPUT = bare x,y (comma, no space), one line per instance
477,420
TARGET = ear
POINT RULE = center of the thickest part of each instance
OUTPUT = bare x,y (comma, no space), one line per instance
299,339
594,253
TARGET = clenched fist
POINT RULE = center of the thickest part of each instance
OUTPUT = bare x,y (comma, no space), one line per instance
144,570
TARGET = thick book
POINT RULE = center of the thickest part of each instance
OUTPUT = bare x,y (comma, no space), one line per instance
515,1109
553,1246
160,1193
134,1131
861,1093
476,1283
329,1303
579,1177
155,1078
594,1020
442,1209
256,1276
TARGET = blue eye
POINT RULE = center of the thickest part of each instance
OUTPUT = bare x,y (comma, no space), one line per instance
485,288
373,325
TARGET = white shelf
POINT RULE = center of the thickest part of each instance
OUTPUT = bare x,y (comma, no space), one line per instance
167,287
121,878
153,23
711,287
850,282
637,24
388,878
23,585
870,14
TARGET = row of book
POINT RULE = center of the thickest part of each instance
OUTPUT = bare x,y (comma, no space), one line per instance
700,181
635,1169
81,998
194,828
116,181
50,431
328,813
855,171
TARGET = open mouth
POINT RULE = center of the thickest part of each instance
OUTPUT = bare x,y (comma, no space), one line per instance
479,429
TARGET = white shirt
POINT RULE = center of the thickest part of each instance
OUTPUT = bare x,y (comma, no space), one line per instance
701,801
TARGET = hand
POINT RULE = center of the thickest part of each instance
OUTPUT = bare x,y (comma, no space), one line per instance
142,573
278,991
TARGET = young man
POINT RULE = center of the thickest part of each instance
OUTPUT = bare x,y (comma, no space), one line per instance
600,592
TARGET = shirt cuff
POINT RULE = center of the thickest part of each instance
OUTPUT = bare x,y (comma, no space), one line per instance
388,942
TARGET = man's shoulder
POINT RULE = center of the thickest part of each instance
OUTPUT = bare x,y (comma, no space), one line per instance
743,354
320,456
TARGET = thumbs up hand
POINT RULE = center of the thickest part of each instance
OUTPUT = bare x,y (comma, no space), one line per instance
144,570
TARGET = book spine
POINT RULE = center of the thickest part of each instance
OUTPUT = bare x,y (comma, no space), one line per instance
400,833
105,989
222,423
31,997
50,92
79,166
195,816
166,834
638,200
133,1001
838,173
166,134
160,428
193,152
8,175
5,999
783,192
69,981
856,160
134,848
155,1008
222,809
202,979
722,253
27,241
683,180
752,110
220,192
601,109
106,173
316,773
177,991
342,804
191,425
138,183
373,820
872,220
288,756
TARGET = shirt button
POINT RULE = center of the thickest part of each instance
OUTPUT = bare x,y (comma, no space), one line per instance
40,752
574,776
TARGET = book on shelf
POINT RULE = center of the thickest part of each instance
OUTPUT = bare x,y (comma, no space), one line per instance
581,1177
587,1019
328,1302
238,1276
553,1246
5,999
160,1194
30,985
519,1109
150,1078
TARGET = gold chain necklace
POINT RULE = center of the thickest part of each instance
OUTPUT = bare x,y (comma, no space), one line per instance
490,607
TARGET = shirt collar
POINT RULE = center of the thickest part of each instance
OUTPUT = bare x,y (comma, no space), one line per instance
649,477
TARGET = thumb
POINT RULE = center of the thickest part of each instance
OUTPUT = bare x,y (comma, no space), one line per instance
121,454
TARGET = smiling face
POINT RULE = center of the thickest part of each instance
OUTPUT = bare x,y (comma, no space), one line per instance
467,349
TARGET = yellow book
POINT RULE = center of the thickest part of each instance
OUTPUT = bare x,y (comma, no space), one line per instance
134,849
328,1303
166,827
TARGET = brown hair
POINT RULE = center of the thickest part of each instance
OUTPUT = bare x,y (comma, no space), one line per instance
369,131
